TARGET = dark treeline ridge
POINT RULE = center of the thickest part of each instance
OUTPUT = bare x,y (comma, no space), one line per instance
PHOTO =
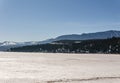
110,45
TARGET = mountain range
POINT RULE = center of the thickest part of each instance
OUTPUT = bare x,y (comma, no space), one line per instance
85,36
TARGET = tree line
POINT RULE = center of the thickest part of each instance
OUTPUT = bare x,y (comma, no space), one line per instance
110,45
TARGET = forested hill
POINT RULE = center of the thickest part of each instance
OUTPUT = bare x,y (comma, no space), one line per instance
111,45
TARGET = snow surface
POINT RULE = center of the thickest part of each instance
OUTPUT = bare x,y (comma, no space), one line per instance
59,68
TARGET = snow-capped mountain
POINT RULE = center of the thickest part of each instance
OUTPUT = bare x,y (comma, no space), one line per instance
86,36
6,43
9,44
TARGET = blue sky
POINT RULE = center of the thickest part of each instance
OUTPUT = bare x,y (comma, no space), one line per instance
36,20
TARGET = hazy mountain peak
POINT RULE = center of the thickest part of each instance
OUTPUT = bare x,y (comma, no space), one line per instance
86,36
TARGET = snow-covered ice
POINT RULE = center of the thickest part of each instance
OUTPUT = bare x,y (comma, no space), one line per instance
59,68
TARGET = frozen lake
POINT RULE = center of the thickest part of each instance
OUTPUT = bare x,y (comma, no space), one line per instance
59,68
